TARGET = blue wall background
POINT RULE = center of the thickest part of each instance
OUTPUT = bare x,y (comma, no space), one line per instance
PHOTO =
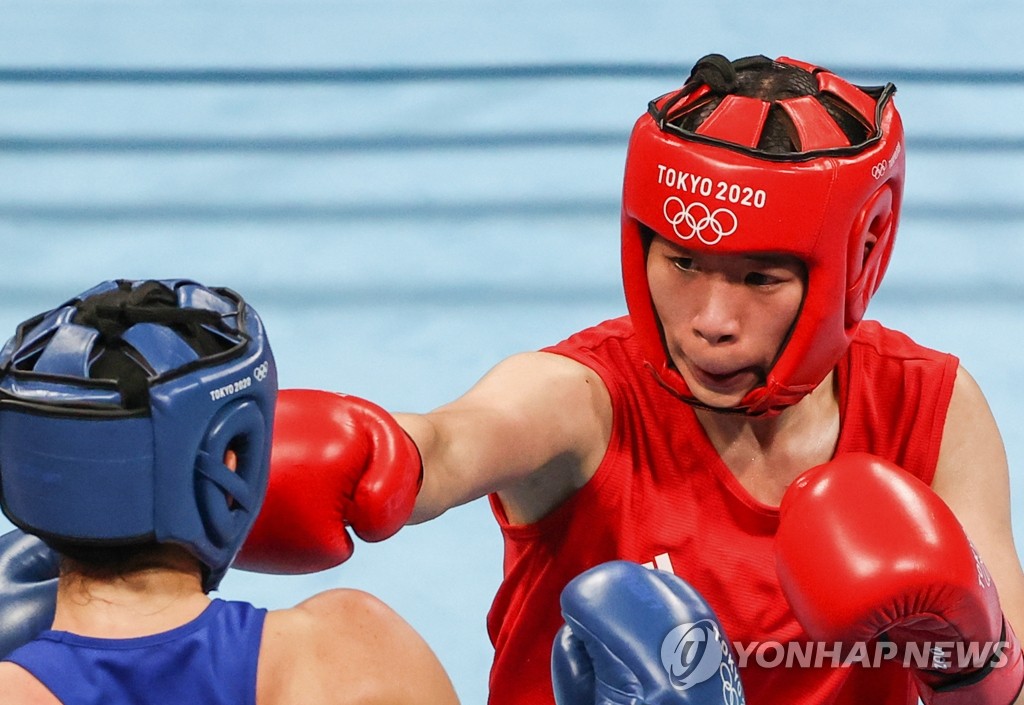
410,191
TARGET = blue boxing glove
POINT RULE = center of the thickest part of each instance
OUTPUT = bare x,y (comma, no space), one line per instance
28,589
636,636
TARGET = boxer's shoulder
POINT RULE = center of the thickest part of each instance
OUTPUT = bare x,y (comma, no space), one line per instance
22,688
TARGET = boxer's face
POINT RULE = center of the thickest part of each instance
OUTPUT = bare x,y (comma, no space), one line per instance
725,317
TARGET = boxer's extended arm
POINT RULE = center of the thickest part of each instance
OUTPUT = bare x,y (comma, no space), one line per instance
973,479
533,429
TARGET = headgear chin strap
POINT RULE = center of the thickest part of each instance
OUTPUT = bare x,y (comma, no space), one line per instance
116,412
832,204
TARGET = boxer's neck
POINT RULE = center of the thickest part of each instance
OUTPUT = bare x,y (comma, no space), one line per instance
129,604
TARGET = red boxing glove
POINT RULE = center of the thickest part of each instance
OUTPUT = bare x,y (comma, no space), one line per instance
865,549
337,461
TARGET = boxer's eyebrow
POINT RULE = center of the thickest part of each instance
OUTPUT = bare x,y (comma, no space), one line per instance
774,260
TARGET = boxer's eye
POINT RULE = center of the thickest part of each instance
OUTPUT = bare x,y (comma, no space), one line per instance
761,279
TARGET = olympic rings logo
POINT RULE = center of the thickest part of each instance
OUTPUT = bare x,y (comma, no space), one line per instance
260,371
700,219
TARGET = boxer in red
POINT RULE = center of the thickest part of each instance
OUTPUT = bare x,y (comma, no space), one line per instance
760,208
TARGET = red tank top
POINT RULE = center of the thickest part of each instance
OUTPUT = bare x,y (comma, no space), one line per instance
663,496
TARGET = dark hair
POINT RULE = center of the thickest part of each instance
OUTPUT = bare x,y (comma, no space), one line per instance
107,562
770,81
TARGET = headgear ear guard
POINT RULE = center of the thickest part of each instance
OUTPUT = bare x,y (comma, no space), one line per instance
831,203
117,409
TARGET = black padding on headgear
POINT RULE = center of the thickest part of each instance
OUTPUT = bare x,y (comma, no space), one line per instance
715,71
114,312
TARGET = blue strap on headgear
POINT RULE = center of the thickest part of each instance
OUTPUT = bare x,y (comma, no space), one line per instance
88,456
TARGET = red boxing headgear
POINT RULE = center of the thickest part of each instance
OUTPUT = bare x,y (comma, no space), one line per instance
712,190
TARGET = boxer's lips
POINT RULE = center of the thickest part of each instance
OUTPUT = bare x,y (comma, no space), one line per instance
725,381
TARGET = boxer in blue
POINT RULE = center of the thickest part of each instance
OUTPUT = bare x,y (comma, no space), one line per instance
135,434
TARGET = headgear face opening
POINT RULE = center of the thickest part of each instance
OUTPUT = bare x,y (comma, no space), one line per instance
116,412
832,204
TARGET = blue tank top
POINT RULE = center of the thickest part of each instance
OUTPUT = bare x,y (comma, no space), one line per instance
209,661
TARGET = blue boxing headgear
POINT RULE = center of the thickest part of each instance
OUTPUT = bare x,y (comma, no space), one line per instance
116,412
